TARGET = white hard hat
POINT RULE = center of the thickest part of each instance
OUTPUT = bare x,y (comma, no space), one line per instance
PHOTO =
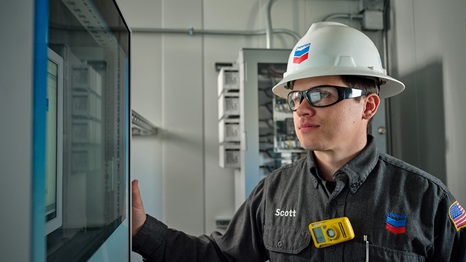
330,48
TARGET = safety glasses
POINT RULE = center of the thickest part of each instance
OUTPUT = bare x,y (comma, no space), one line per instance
323,96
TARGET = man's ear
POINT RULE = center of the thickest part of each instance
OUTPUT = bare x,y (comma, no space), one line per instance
372,103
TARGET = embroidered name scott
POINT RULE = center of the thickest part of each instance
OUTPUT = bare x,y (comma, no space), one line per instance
285,213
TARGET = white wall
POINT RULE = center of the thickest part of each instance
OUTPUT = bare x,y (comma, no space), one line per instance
429,55
16,108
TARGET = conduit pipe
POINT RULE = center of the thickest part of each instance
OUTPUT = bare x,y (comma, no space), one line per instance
269,31
343,15
192,32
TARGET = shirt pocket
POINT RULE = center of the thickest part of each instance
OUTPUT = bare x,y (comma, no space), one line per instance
286,240
357,252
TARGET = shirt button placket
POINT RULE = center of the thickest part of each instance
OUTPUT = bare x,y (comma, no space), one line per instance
280,244
332,208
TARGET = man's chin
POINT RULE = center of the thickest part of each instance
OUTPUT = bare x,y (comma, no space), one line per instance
312,147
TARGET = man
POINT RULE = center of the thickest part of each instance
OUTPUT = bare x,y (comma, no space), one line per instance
334,83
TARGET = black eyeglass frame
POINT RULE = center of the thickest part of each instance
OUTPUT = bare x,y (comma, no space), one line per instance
343,93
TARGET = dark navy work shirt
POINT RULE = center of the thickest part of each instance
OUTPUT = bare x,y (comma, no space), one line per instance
405,213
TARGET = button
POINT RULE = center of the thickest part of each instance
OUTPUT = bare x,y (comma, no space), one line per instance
280,244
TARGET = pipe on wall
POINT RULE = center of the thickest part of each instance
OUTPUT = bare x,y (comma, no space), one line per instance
343,15
192,32
269,31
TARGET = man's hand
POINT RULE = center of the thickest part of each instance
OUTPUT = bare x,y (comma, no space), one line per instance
138,213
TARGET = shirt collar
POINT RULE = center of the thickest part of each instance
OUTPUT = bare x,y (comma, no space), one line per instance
357,169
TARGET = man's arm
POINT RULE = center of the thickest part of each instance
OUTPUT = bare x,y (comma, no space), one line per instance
241,242
450,234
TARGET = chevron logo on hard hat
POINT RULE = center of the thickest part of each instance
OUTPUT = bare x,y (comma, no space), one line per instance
301,53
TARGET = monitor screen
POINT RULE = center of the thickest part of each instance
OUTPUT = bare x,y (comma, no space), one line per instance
54,141
92,197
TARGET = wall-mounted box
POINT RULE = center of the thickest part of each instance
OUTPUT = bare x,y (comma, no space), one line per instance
373,20
228,105
228,80
229,130
229,156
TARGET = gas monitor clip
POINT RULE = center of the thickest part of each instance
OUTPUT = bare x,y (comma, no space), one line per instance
331,232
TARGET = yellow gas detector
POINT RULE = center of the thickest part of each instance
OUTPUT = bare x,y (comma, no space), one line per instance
331,232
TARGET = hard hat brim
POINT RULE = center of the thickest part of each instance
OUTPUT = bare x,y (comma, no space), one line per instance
390,87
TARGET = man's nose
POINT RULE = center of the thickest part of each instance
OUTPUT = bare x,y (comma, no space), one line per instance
305,108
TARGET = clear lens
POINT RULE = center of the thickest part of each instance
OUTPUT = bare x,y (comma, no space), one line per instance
322,96
294,100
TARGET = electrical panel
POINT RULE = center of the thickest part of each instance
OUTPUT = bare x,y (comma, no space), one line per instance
259,137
